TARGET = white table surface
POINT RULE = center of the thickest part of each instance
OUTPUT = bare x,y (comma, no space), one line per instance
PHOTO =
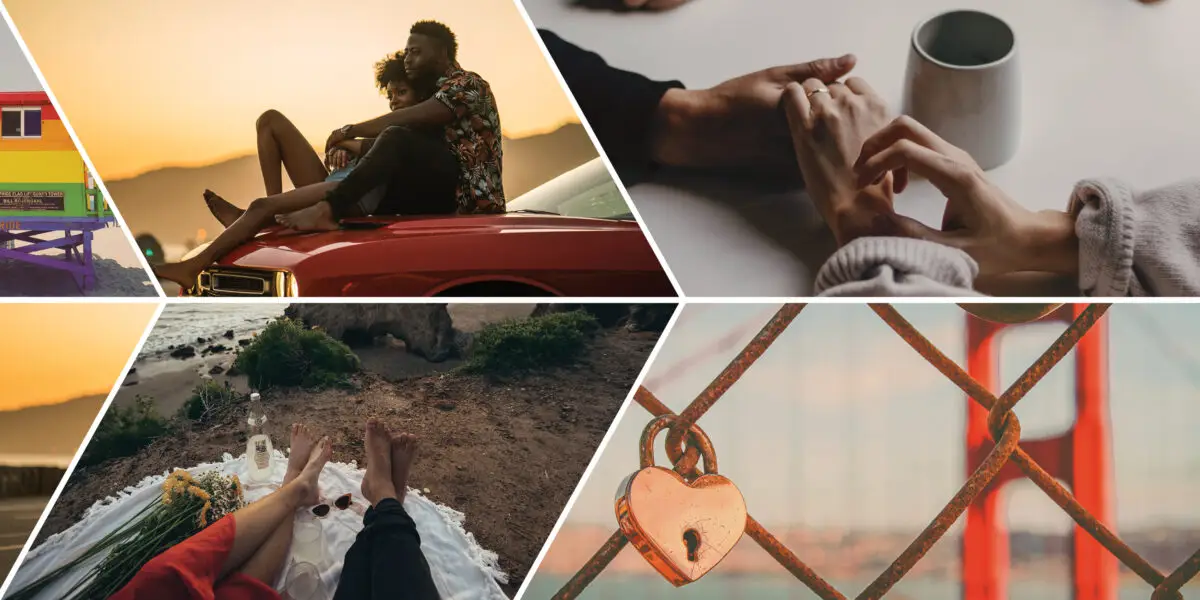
1110,88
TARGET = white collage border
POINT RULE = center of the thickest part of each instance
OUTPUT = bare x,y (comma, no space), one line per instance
681,302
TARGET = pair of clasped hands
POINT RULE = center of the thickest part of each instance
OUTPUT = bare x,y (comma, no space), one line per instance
855,157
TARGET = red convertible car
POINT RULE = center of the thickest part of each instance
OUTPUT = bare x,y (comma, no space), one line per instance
572,236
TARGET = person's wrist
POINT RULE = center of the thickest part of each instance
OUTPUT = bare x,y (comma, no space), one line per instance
1053,244
672,134
862,213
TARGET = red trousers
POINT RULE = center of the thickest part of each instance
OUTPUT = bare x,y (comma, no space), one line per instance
190,570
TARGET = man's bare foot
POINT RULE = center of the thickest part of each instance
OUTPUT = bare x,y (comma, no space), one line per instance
404,450
318,217
183,273
377,483
306,480
225,212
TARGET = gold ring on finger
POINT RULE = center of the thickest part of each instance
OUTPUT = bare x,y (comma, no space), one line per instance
817,91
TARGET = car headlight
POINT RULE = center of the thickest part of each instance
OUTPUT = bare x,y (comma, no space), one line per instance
293,285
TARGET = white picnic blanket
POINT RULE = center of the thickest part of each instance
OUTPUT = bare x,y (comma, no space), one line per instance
462,569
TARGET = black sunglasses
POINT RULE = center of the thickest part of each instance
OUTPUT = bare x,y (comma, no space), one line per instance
342,503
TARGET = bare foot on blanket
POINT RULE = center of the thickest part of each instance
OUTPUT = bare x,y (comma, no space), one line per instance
318,217
303,440
377,483
404,450
222,209
307,477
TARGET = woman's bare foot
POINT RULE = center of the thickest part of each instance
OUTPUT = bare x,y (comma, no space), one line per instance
377,483
225,212
318,217
184,273
303,440
404,450
306,480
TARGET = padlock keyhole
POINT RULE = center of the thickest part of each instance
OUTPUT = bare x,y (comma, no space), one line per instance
691,539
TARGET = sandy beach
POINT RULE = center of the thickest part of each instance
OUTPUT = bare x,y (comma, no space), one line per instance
112,280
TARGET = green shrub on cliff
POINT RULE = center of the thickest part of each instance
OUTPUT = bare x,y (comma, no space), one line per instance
523,344
207,397
124,431
287,354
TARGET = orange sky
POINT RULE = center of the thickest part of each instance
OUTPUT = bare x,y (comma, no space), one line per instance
147,83
58,352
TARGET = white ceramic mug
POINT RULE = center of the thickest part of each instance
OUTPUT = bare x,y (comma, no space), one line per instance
963,83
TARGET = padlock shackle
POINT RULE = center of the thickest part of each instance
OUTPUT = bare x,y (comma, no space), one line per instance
653,428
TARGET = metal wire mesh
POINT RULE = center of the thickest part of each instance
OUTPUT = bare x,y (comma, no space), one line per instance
1003,425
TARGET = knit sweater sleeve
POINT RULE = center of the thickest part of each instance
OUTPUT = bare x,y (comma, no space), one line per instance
896,267
1130,244
1137,243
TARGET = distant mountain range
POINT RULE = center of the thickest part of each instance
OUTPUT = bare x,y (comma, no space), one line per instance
168,204
51,430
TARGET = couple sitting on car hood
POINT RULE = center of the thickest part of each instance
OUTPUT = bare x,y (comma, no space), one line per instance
437,152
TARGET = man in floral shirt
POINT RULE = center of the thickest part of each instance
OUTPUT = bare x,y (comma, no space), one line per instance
441,156
473,135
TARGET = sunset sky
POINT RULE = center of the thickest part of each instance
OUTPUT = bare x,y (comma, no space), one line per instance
59,352
147,83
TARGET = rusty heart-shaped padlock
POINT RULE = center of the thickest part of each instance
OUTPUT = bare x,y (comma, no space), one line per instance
682,527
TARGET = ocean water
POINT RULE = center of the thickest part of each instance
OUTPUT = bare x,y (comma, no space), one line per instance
771,587
183,323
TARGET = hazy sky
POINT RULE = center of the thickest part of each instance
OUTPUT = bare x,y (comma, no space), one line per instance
148,83
815,433
57,352
17,75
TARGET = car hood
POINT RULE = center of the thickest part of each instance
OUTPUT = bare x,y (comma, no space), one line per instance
281,248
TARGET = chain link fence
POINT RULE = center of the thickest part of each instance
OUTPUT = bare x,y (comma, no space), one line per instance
1003,425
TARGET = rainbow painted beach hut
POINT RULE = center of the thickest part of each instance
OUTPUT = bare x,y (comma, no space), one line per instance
50,205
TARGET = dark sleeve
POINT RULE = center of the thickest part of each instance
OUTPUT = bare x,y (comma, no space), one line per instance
619,105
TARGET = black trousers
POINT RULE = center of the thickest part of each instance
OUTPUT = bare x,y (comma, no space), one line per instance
417,167
385,561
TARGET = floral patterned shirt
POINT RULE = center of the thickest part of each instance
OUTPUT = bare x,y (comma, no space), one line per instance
474,138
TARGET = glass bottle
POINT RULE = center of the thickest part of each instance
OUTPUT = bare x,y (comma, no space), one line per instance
259,451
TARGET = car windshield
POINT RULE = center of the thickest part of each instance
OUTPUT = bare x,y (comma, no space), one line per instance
585,191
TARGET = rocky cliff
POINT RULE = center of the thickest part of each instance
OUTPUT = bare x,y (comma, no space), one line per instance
426,329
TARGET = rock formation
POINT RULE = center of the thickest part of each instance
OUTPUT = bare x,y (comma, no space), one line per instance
426,329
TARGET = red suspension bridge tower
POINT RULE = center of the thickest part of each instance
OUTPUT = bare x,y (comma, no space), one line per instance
1081,458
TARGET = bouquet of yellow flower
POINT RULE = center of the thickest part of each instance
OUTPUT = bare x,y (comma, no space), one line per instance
187,505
